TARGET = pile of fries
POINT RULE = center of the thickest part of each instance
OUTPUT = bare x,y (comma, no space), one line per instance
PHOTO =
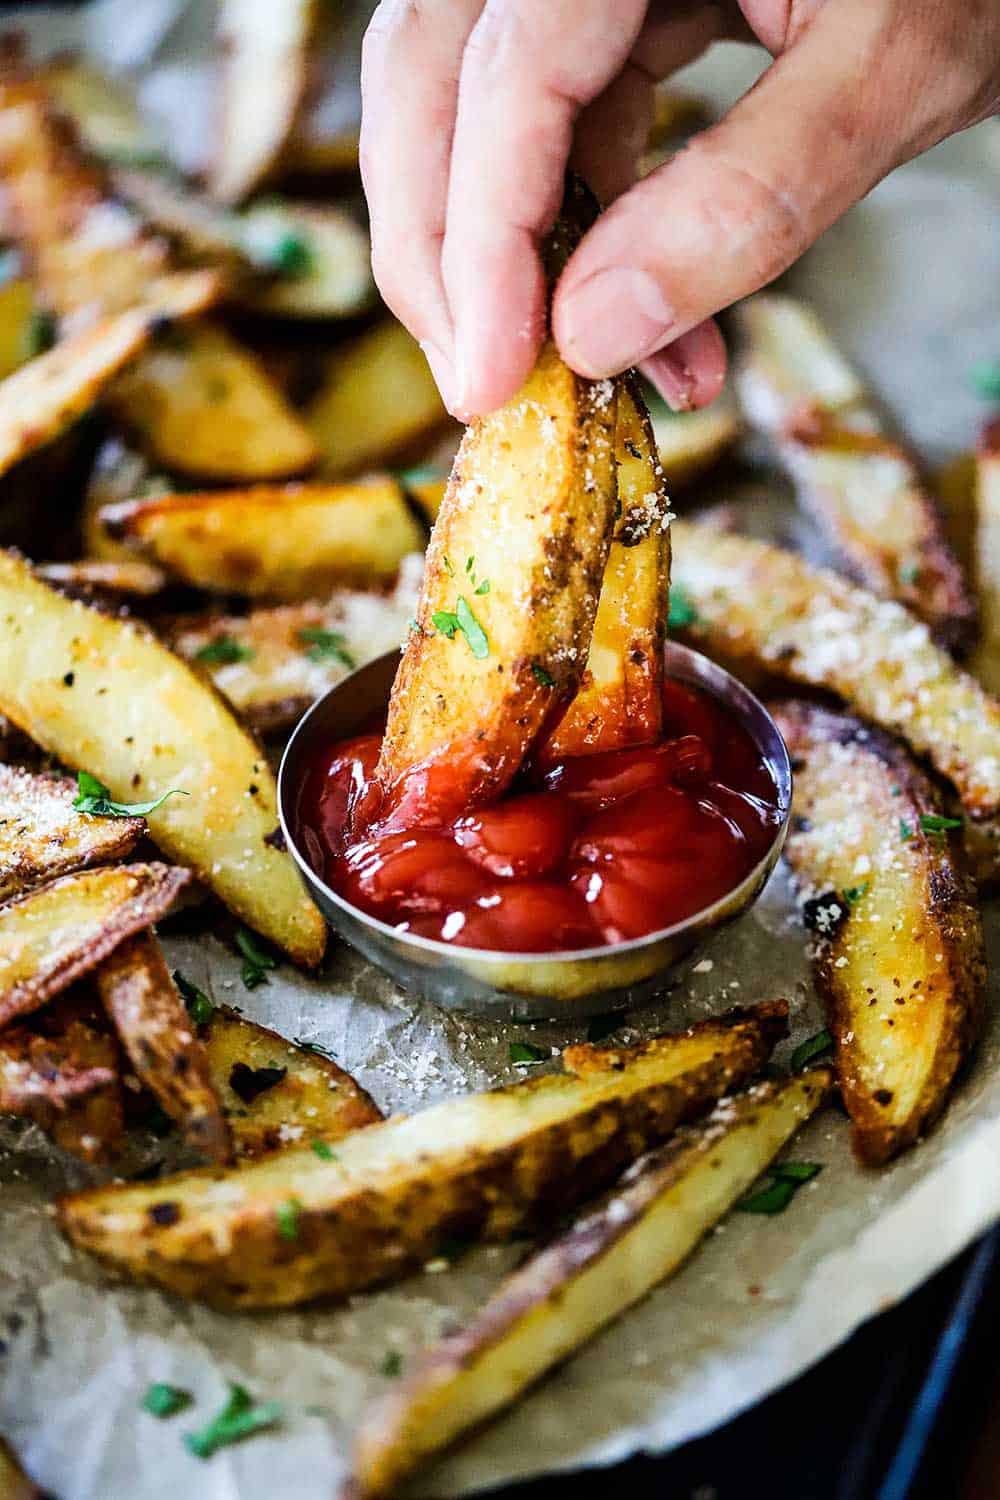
241,515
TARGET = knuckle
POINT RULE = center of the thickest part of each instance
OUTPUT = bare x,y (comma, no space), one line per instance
748,210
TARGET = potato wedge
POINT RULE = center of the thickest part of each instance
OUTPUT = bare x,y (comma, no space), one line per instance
103,110
899,959
620,699
162,1043
985,664
56,933
264,82
92,1127
139,719
520,545
483,1165
278,1093
293,541
41,835
859,484
763,605
691,442
377,403
272,664
39,1078
45,396
603,1264
330,275
126,578
200,404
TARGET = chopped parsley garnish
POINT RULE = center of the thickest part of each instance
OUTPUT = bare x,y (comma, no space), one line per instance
256,962
199,1006
463,619
327,645
852,894
984,377
909,572
392,1365
323,1151
249,1083
786,1179
277,248
905,830
94,798
933,823
682,611
288,1215
526,1052
163,1400
224,650
813,1046
540,675
240,1418
310,1046
448,567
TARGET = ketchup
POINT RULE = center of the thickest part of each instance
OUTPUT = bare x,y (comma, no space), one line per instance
580,853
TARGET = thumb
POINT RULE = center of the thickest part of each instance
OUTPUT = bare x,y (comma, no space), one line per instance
826,121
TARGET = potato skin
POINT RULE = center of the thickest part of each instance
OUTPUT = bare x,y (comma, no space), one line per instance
901,969
565,1138
42,836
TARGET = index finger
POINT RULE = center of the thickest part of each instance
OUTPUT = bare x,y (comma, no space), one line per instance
527,71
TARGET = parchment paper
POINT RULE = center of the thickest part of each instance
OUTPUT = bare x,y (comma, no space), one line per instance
908,282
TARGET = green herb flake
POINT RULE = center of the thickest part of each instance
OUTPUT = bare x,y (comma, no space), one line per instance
288,1215
813,1046
775,1196
852,894
475,635
256,961
199,1006
94,798
526,1052
682,611
447,566
905,830
323,1151
445,621
984,377
933,823
163,1400
327,645
541,676
317,1047
240,1418
484,587
223,651
392,1365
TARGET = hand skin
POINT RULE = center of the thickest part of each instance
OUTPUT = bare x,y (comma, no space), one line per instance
472,111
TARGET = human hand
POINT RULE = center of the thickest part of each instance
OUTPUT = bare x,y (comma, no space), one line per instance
473,110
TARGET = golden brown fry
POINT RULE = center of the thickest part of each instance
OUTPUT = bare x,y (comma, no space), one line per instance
272,664
377,404
857,482
40,1075
162,1043
278,1093
138,718
620,698
62,930
295,1226
41,835
603,1264
765,606
294,541
203,405
900,960
520,546
48,394
264,80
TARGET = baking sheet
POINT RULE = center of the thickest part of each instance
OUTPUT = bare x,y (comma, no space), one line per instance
908,283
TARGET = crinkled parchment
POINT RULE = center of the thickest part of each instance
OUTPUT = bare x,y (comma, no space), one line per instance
908,282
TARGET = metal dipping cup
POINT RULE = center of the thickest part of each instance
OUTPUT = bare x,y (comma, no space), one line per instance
565,986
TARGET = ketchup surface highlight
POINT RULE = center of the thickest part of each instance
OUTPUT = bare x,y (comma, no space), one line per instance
588,851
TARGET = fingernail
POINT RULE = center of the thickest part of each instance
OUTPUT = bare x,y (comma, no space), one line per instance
612,320
444,375
673,378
